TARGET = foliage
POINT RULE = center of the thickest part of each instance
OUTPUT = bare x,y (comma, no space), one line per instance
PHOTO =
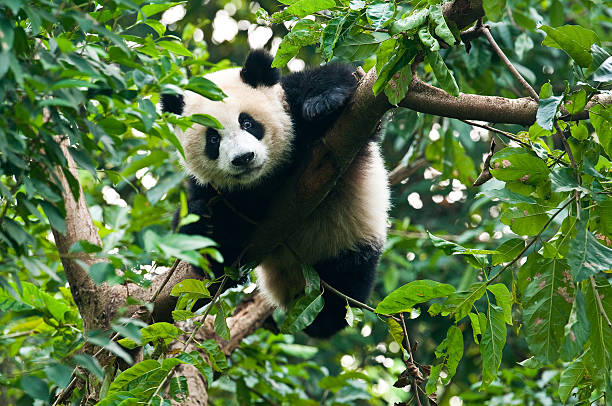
530,249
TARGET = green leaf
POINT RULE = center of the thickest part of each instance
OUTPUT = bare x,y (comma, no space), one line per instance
404,298
35,387
302,8
428,40
547,111
413,21
354,315
175,47
547,304
396,331
604,72
335,29
379,13
601,333
519,164
577,329
441,29
444,76
193,287
359,46
494,9
112,126
525,219
160,331
492,344
460,303
573,39
576,102
311,278
221,327
601,118
503,299
508,250
304,32
402,57
586,256
570,378
89,363
206,120
398,86
302,312
206,88
154,158
133,373
475,322
150,10
56,219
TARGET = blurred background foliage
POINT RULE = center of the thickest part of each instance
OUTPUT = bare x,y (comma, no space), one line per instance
93,71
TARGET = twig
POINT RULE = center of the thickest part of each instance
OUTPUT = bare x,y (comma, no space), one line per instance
411,365
497,131
599,304
403,172
165,281
350,299
192,335
487,32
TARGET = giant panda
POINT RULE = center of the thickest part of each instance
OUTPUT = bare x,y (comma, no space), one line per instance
269,124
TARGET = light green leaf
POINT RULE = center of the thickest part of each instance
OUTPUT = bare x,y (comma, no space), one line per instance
519,164
221,327
404,298
302,8
379,13
601,118
601,333
444,76
570,378
503,299
206,88
494,9
547,111
492,344
475,326
460,303
573,39
604,71
441,29
175,47
133,373
413,21
428,40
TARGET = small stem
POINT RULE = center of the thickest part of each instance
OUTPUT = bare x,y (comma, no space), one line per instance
350,299
497,131
599,304
487,32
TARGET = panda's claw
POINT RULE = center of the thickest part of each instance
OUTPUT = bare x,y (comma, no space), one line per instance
325,103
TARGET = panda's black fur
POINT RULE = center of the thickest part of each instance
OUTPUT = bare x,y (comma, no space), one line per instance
285,116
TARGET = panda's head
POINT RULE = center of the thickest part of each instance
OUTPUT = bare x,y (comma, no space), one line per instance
257,129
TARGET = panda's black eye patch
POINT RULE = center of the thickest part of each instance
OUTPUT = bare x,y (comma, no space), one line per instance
213,139
249,124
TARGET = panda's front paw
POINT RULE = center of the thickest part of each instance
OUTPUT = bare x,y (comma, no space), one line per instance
325,103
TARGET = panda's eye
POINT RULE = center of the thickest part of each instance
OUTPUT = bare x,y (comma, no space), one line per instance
214,139
246,124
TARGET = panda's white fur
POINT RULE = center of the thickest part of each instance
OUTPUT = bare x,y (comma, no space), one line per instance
344,236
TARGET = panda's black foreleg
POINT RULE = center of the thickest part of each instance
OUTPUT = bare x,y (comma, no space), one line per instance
352,273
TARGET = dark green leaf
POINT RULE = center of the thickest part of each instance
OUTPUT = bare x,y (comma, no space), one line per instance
586,256
379,13
413,21
206,88
570,378
444,76
302,312
547,305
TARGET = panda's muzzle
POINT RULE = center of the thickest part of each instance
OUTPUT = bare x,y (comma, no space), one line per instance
243,160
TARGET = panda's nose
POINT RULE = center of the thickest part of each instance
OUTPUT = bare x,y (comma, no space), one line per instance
244,159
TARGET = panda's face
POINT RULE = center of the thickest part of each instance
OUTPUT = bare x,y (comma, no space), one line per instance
255,138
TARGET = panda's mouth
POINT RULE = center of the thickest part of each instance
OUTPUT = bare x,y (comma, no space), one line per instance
247,172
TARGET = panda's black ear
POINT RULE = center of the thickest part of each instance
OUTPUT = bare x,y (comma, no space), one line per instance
258,70
172,103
